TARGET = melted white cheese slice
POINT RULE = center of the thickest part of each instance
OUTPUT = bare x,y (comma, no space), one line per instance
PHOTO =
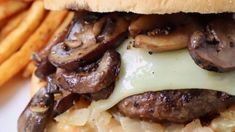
142,72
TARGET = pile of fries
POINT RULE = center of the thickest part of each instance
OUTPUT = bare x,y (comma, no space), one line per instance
25,28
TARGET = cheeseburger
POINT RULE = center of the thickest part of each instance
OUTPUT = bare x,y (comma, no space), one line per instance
137,65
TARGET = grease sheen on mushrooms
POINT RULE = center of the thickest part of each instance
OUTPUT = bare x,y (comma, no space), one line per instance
88,40
93,79
214,48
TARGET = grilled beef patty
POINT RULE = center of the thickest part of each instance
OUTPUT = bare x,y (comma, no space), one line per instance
180,106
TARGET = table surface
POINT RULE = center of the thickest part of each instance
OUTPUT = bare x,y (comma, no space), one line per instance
14,96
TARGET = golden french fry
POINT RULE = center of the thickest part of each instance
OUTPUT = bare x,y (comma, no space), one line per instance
37,41
16,38
28,0
12,24
12,66
11,7
29,69
2,23
65,23
31,66
46,30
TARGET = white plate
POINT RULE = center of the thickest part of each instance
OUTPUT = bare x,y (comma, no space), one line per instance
14,96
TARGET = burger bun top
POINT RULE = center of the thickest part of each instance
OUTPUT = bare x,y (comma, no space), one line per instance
144,6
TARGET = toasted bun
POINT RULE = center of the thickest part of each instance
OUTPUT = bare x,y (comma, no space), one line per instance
144,6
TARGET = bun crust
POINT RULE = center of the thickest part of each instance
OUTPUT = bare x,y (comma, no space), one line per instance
144,6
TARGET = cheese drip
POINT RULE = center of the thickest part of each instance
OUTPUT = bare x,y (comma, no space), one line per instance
142,72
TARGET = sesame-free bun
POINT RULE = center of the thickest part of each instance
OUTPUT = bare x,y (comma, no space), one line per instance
144,6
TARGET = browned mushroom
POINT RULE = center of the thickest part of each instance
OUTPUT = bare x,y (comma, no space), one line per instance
214,49
88,41
37,113
102,94
145,23
44,67
63,101
44,105
157,33
93,79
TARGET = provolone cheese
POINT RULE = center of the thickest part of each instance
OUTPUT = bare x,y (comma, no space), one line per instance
142,72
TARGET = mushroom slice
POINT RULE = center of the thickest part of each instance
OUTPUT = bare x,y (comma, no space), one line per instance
63,101
44,68
93,79
44,105
170,42
170,32
214,49
102,94
88,41
37,113
145,23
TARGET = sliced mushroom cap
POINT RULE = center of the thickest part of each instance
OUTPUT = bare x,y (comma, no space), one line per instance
44,105
214,49
97,77
44,69
37,113
163,33
102,94
88,41
63,101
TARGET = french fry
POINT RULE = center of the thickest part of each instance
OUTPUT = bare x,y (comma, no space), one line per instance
12,24
65,23
2,24
11,7
46,30
31,67
1,1
12,66
16,38
28,0
39,38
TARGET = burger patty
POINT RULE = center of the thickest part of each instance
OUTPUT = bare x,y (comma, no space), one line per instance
179,106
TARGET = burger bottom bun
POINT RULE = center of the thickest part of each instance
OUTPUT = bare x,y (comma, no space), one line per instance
79,118
144,6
